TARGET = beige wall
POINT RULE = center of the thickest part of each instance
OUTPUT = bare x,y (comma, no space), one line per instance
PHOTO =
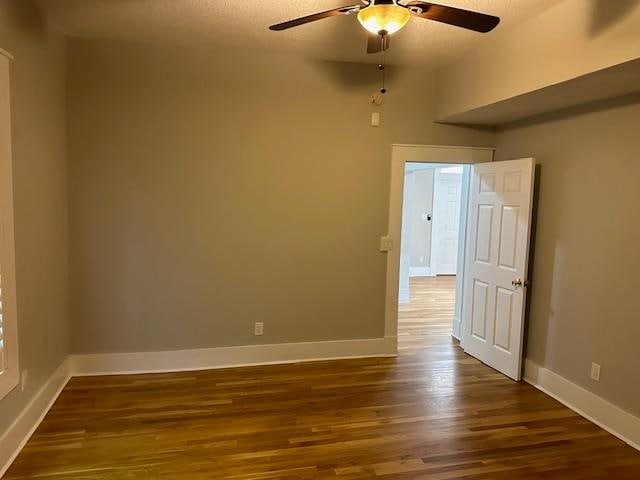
584,291
571,39
40,200
210,190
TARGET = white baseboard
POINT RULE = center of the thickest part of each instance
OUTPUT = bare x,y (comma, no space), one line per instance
457,329
613,419
225,357
421,272
15,438
404,295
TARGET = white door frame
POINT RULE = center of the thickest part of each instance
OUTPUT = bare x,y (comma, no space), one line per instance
400,155
462,264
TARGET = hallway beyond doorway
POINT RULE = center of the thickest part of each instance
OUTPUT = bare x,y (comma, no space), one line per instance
426,320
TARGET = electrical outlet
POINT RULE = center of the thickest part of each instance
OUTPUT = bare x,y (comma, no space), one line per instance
258,328
23,379
595,372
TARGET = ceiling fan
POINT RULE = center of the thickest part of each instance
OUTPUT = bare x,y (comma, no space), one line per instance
382,18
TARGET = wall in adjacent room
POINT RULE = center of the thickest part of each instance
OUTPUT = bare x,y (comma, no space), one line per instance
213,189
421,203
584,304
38,123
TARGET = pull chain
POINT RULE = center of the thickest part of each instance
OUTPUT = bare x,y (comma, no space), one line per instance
381,66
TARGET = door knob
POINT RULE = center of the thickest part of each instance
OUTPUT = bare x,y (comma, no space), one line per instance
517,283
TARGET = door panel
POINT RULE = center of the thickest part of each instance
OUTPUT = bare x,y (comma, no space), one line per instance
503,319
483,235
500,206
487,183
508,237
479,310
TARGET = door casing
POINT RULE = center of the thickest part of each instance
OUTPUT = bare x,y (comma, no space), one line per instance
401,154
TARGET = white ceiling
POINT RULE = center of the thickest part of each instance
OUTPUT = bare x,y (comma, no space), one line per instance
243,24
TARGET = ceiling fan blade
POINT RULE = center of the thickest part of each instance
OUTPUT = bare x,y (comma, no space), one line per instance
478,22
377,43
316,16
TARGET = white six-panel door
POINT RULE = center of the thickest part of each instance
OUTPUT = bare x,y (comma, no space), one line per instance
446,222
497,251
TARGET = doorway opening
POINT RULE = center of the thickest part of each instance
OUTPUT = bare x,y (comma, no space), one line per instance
495,222
431,253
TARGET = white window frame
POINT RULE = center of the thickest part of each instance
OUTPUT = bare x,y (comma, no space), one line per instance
10,370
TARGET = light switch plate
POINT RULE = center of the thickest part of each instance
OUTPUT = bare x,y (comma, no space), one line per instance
375,119
386,244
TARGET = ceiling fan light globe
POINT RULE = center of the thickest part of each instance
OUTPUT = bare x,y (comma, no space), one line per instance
387,18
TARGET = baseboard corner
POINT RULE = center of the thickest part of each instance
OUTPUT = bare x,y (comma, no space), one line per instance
17,435
596,409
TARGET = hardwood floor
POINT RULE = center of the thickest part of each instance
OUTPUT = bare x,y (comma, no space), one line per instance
427,319
433,413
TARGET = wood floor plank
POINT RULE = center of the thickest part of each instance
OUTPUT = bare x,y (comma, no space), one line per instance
431,413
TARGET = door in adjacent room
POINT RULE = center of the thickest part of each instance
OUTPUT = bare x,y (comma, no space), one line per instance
446,219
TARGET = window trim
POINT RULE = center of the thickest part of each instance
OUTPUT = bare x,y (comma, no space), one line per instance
10,376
